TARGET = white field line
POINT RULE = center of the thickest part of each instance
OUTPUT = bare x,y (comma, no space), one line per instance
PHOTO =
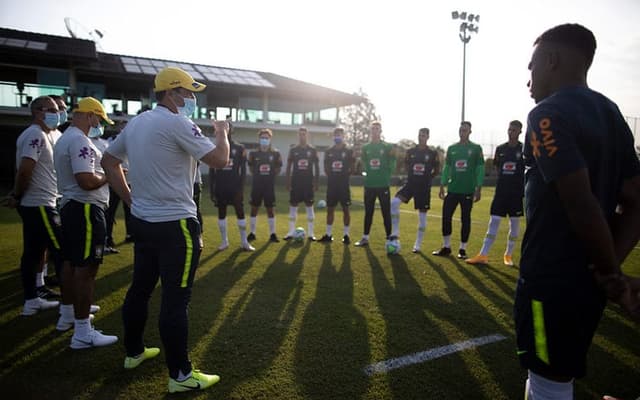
416,358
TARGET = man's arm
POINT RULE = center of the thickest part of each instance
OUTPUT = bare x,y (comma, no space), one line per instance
625,227
115,176
219,156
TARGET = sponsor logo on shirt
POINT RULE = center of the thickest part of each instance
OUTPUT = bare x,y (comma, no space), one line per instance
265,169
418,169
374,163
196,130
35,143
336,166
303,164
461,165
548,142
509,168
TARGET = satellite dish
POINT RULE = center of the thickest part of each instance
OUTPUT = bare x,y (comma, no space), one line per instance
78,31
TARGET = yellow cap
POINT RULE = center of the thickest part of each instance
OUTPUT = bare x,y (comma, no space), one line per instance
172,77
89,104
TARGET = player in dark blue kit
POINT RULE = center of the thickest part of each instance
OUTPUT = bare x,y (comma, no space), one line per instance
226,186
422,165
582,196
338,166
507,200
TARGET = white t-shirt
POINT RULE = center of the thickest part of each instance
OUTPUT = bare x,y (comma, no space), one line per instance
100,143
36,144
162,149
75,153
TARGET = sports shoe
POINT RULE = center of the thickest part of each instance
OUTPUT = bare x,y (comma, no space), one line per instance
93,339
346,239
148,353
251,237
415,249
462,254
326,239
32,306
66,324
197,381
312,239
363,242
94,309
508,260
45,293
273,238
442,252
223,246
248,247
201,242
479,259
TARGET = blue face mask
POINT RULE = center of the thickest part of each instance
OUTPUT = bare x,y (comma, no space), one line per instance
264,142
337,140
63,117
51,120
189,107
95,132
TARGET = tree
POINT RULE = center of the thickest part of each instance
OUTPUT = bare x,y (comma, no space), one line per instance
356,120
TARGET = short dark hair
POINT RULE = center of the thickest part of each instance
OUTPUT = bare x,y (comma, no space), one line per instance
37,103
517,123
423,130
575,36
466,123
338,130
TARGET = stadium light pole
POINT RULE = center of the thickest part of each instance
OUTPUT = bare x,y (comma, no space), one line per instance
467,27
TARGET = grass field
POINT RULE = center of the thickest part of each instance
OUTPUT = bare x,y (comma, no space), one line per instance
303,321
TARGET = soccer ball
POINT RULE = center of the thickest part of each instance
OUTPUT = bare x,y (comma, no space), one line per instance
298,234
392,246
321,204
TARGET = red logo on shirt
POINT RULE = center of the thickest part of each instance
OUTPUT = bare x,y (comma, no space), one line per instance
336,166
375,163
265,169
461,164
418,169
303,164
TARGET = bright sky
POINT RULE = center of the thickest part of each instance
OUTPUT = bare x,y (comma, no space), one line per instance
405,54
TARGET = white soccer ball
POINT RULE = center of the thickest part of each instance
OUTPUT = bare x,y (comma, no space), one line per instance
321,204
392,246
299,234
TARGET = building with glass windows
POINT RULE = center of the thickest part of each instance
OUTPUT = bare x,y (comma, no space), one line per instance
35,64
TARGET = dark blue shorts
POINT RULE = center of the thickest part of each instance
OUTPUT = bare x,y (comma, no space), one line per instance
84,232
506,204
421,195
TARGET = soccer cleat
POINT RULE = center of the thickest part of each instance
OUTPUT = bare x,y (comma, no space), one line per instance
148,353
478,259
94,309
223,246
462,254
251,237
93,339
32,306
66,324
415,249
363,242
247,247
273,238
508,260
312,239
346,239
45,293
197,381
442,252
326,239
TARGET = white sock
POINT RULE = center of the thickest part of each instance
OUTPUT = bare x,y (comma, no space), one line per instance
272,225
395,216
293,213
66,311
544,389
222,225
514,230
463,245
329,230
242,227
311,216
365,237
252,224
422,227
45,269
490,237
346,230
446,240
39,279
81,327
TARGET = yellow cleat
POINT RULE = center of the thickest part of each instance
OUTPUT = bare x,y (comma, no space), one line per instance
148,353
508,260
479,259
197,381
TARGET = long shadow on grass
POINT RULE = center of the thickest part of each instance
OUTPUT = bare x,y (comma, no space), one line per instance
249,339
472,319
332,344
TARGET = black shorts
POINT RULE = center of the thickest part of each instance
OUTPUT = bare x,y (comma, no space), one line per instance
228,197
260,193
505,204
555,325
83,232
421,195
301,192
338,193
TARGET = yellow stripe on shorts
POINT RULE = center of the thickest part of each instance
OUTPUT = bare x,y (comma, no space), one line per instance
89,233
539,331
187,259
47,225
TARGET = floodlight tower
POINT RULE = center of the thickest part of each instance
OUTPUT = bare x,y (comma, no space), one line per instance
467,27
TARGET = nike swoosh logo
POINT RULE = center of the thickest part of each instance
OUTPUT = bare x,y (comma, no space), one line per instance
197,386
521,352
89,343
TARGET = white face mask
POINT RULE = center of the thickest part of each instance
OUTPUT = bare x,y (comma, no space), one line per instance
51,120
95,132
189,107
264,142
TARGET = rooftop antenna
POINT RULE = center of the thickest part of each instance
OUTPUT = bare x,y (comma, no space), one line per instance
78,31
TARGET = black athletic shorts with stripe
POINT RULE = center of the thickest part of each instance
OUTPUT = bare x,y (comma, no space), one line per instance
504,204
84,231
555,324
